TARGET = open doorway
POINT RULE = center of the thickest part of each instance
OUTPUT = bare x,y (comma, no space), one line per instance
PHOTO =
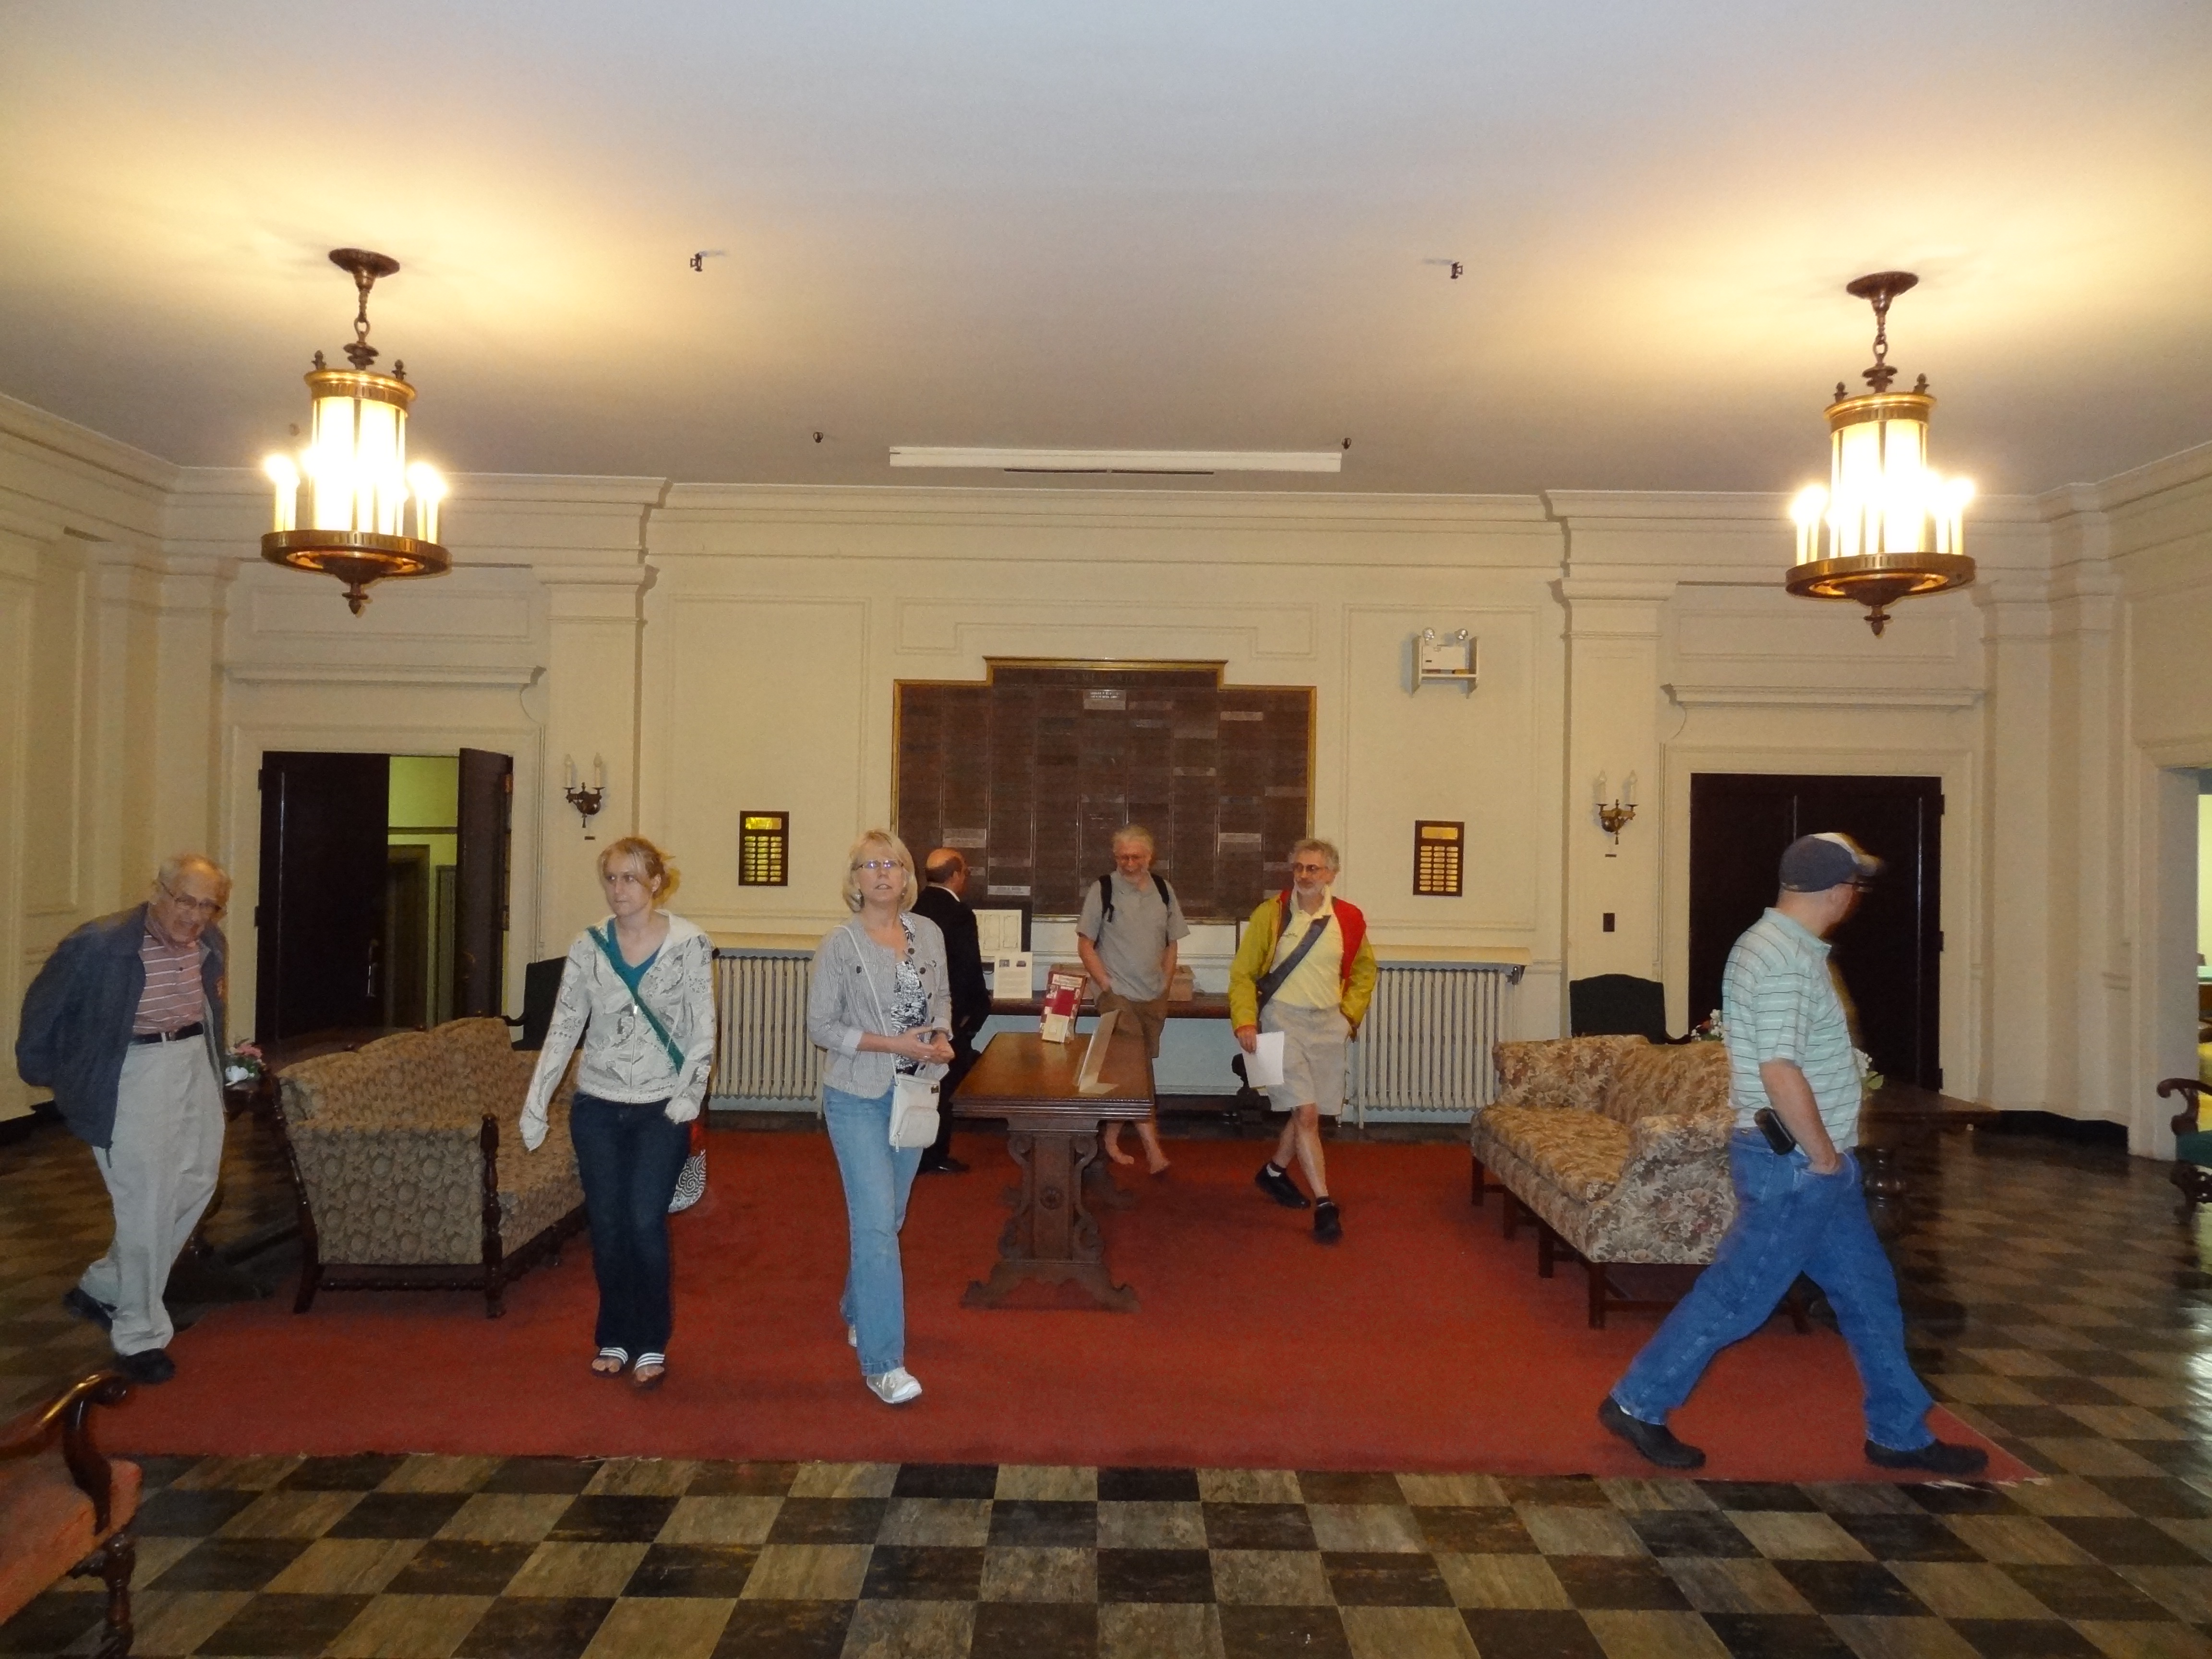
383,902
2204,925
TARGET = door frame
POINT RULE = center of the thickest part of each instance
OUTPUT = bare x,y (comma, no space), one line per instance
1959,907
239,831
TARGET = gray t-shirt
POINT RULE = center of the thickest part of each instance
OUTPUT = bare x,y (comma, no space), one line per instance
1133,944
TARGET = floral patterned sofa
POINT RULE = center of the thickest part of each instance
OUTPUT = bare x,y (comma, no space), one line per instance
1615,1147
395,1150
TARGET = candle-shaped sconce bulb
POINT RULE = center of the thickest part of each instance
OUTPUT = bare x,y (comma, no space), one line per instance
1628,790
599,773
569,781
1597,789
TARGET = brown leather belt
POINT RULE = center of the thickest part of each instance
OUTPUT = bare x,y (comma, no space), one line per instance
177,1035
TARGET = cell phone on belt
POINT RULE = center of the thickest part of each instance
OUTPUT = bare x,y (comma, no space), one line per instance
1776,1131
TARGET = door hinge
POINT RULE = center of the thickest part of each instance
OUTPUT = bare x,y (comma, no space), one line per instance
257,915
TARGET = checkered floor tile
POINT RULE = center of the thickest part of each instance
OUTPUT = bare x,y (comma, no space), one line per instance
2055,1302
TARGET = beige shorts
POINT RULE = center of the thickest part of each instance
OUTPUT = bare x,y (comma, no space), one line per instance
1147,1019
1315,1050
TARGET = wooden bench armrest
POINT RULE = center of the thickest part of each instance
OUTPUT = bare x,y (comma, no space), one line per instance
2185,1121
72,1409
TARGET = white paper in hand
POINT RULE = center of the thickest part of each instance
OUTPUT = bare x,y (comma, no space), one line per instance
1263,1067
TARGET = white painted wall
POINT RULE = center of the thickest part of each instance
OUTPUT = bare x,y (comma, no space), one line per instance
726,647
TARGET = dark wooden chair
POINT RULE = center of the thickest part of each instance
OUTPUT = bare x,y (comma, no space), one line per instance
2192,1148
65,1512
1619,1005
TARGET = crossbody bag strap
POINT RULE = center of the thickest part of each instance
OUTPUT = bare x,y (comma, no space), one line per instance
605,942
1272,981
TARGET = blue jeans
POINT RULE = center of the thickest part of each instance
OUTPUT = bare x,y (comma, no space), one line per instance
878,1177
1788,1221
628,1159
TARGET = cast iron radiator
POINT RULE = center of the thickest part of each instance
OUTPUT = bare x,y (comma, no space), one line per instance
1424,1050
761,1055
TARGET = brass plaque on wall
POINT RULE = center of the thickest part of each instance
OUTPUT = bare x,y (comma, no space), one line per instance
1049,759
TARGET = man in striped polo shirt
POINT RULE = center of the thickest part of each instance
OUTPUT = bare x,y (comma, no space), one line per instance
1793,1077
124,1024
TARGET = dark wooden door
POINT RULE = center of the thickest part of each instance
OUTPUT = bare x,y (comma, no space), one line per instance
487,801
320,918
1889,953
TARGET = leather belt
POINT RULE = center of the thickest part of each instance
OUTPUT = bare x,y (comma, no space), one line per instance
177,1035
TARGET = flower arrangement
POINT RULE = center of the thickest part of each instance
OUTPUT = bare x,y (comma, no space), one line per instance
243,1063
1710,1028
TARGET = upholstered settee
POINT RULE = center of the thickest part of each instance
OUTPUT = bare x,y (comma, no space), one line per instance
1616,1148
65,1512
409,1162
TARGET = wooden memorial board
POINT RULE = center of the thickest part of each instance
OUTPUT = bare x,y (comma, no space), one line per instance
1030,772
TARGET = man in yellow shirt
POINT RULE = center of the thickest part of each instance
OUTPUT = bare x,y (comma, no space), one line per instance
1306,970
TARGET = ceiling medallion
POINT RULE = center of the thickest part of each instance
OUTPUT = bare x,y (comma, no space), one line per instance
1886,528
352,480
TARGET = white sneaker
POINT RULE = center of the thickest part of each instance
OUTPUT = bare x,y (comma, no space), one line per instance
896,1387
852,1336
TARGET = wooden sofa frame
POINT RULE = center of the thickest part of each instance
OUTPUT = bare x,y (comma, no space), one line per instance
117,1556
492,1275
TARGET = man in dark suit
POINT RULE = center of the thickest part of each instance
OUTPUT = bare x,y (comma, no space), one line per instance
944,902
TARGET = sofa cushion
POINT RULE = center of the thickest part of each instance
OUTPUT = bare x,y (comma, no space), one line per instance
46,1521
1581,1153
482,1057
1563,1072
1682,1080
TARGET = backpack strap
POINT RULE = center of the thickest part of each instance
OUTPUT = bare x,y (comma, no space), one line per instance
1105,898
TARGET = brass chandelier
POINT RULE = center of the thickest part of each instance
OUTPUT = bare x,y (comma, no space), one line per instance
346,505
1886,527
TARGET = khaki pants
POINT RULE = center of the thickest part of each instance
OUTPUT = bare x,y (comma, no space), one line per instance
1147,1019
161,1167
1316,1053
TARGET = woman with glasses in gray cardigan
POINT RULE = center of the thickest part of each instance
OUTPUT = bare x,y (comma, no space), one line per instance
880,1002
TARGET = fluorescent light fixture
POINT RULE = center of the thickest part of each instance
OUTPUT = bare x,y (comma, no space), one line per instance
1193,462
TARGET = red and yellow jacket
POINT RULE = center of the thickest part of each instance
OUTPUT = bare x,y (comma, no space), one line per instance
1257,954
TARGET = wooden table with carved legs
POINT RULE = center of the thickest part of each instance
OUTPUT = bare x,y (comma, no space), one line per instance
1052,1135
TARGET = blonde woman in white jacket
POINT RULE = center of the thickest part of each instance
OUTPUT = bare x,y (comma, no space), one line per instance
640,991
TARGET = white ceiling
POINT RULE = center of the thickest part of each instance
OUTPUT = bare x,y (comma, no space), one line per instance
1139,225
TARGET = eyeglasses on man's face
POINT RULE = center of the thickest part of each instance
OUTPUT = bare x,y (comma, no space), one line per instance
885,865
211,908
1309,869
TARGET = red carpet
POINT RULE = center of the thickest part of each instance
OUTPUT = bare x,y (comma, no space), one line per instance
1423,1341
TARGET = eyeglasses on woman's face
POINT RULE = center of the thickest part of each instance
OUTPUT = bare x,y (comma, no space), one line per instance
884,865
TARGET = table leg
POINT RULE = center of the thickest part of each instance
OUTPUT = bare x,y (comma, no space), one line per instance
1052,1238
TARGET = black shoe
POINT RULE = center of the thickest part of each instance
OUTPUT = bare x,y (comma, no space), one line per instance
943,1166
1653,1442
1937,1457
88,1309
1280,1187
1328,1226
146,1365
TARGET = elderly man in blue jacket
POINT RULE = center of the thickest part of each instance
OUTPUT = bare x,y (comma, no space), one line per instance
124,1024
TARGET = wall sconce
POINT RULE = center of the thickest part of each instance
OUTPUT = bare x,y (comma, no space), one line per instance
587,799
1614,816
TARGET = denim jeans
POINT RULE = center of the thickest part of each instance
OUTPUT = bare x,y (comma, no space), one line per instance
628,1159
878,1177
1788,1221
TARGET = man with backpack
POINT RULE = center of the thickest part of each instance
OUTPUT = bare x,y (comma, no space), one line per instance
1128,938
1306,970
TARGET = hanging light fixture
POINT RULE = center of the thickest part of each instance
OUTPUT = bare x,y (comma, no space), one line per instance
346,504
1886,527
